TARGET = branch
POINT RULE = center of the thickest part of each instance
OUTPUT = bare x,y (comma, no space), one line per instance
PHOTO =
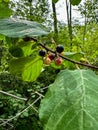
68,59
39,94
8,94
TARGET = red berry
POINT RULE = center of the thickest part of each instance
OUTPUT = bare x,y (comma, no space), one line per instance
58,61
51,56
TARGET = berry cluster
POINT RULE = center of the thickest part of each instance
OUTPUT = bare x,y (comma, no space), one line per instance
48,58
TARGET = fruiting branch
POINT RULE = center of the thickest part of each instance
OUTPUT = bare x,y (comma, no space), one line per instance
68,59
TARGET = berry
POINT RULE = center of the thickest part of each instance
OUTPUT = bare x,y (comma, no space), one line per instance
60,48
42,53
47,61
51,56
58,61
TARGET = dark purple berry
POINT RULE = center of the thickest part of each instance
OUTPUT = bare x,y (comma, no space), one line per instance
42,53
60,48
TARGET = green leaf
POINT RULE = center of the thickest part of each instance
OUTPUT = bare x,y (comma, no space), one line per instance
18,28
16,66
4,10
75,2
28,67
74,56
28,47
71,102
2,37
16,51
32,70
55,1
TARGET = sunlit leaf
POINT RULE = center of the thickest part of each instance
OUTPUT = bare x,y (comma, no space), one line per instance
17,65
28,67
32,70
71,102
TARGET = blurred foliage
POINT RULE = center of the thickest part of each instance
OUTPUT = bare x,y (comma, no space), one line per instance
5,11
89,9
32,10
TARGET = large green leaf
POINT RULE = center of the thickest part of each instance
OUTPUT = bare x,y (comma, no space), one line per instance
75,2
32,70
28,67
71,102
17,65
4,9
21,28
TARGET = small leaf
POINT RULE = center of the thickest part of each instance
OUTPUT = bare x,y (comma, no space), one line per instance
18,28
55,1
75,2
71,102
32,70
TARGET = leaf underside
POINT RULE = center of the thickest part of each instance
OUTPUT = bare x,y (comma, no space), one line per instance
71,102
18,28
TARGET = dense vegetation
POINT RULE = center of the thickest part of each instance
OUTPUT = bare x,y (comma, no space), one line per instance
48,69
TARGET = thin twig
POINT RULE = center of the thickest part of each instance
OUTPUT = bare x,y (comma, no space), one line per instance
7,123
45,88
21,112
34,109
39,94
11,95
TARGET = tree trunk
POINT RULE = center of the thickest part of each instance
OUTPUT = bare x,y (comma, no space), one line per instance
69,20
54,18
